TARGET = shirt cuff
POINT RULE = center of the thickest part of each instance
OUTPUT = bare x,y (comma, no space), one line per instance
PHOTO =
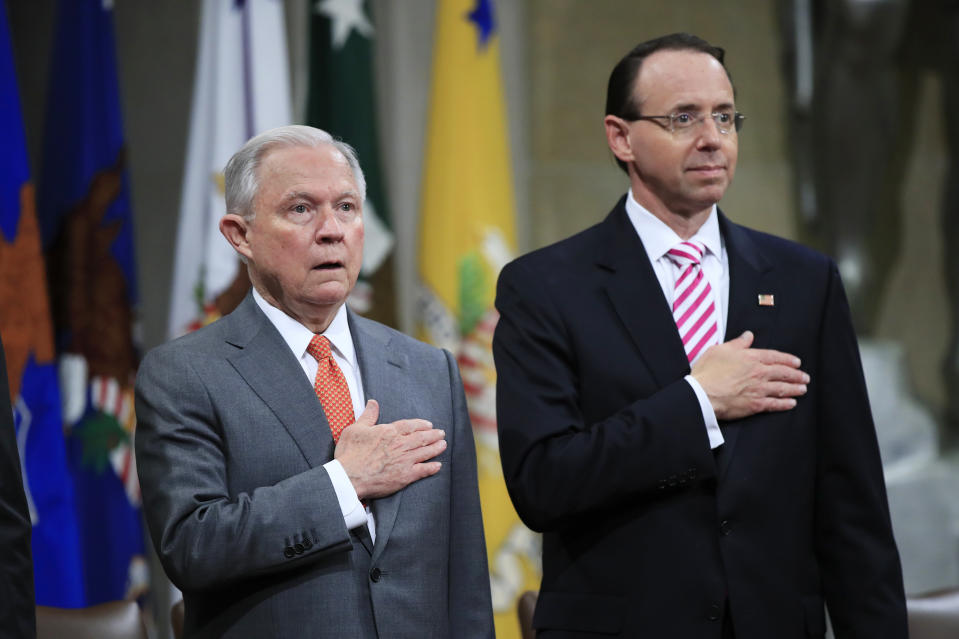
353,512
709,415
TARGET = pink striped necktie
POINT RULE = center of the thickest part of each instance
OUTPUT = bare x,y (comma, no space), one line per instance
693,307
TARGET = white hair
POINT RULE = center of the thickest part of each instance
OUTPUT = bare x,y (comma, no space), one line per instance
241,174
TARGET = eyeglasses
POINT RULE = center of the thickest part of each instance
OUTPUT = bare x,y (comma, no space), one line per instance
686,121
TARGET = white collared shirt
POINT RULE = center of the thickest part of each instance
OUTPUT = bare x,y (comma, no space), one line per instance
657,239
298,338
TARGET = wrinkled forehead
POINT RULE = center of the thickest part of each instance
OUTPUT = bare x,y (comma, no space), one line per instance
682,79
323,162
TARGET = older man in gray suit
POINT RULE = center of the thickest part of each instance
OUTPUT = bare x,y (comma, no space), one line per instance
275,510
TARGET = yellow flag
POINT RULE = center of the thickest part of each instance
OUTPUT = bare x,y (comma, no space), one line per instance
467,233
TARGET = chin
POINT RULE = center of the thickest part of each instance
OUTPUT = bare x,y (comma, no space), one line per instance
329,294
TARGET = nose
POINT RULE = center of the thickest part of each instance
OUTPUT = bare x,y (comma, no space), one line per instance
329,227
710,136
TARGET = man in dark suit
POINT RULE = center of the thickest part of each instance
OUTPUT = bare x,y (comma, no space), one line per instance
307,472
17,616
689,486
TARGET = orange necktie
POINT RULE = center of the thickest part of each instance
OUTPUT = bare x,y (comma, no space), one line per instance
330,387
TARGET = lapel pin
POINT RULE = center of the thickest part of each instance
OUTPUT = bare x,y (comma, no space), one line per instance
766,299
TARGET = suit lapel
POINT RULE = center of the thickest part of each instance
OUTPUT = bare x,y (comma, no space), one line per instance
386,379
637,298
750,275
265,362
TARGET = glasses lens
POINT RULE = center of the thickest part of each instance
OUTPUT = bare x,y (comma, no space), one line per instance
724,120
683,120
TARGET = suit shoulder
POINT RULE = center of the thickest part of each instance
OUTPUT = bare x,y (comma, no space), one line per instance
202,345
568,253
396,339
783,251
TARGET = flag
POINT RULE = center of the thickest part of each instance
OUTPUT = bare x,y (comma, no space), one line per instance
27,330
241,88
87,227
341,64
466,235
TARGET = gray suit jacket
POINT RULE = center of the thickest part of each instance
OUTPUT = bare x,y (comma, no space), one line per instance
230,445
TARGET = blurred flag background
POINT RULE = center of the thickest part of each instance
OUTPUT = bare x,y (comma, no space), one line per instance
467,233
342,101
25,324
241,87
87,226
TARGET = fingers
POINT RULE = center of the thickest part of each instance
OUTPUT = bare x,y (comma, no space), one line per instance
781,373
421,439
776,358
426,469
370,414
407,426
423,453
773,405
745,340
780,390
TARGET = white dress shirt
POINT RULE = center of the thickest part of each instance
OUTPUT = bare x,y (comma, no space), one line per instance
657,239
298,338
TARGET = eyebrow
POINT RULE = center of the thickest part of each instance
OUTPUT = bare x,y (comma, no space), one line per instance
298,195
695,107
306,195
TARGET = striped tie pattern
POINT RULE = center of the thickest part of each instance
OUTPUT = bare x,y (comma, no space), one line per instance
693,307
330,387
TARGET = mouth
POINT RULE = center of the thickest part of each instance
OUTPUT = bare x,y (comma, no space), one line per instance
330,265
709,172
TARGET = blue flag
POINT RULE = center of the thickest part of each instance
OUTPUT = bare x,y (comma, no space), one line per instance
31,367
86,221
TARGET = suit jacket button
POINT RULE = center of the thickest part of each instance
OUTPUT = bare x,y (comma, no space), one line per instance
715,612
299,549
307,544
288,552
725,528
375,575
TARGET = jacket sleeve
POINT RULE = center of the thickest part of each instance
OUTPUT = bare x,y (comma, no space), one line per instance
204,535
861,572
16,566
556,464
471,610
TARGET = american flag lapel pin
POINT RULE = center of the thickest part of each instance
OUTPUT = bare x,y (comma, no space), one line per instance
766,299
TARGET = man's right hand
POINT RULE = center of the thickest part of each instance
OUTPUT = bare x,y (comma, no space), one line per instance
741,381
380,459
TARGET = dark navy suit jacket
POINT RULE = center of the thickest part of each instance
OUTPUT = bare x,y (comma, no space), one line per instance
648,532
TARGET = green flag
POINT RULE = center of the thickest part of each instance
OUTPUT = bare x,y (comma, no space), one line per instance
342,101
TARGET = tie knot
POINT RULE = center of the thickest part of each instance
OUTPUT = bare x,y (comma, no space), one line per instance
319,347
686,253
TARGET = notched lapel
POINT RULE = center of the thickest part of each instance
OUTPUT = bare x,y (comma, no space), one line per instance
265,362
386,378
638,299
750,275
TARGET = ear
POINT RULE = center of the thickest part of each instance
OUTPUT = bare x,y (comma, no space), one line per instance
617,137
236,230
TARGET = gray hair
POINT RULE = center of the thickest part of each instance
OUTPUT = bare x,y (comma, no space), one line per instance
241,174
